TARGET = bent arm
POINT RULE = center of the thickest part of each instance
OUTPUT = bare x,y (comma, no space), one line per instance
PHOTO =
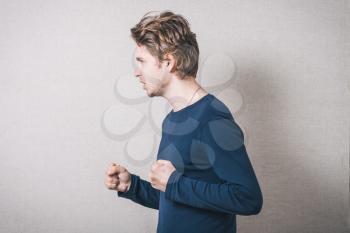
142,192
238,192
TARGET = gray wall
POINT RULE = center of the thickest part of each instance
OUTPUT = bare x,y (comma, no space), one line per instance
70,106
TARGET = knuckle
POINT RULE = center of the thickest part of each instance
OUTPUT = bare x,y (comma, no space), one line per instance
110,172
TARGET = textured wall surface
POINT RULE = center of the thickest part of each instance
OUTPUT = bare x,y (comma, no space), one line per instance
70,105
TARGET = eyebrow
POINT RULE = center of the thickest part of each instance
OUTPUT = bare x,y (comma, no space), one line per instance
139,59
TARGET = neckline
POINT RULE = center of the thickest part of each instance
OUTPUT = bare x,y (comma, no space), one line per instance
191,105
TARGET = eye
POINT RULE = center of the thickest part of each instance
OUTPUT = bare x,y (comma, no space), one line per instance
139,60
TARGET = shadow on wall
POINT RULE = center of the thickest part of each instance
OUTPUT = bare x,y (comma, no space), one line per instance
282,149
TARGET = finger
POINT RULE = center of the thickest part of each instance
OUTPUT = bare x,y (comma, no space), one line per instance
114,170
111,185
163,162
113,179
151,176
153,167
108,171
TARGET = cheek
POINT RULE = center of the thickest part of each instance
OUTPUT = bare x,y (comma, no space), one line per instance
151,75
144,69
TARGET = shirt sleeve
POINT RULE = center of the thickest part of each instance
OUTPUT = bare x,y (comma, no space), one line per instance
222,142
142,192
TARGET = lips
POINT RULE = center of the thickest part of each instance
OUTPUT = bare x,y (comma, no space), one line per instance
143,84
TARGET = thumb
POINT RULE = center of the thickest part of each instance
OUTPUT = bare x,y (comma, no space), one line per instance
162,162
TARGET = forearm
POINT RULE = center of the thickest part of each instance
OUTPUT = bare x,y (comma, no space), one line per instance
141,192
225,197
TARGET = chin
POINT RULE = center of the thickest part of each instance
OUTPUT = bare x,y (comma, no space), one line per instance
152,93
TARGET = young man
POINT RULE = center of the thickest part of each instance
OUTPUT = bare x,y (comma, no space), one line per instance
203,177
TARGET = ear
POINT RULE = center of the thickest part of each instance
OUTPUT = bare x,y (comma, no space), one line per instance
169,62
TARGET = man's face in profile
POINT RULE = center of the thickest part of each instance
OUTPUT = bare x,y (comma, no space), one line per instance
153,74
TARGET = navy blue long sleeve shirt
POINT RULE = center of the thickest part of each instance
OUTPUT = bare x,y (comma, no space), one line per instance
214,180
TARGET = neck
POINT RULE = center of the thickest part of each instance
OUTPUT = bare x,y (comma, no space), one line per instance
183,92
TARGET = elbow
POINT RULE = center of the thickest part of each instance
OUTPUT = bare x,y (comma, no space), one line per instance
256,207
251,204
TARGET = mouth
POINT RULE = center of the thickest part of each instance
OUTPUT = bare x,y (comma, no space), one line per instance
143,85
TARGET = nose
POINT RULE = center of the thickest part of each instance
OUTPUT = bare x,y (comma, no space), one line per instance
137,73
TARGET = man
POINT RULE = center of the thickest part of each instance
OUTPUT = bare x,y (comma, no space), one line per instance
203,177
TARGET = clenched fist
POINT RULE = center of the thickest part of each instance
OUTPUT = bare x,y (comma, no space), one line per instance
118,178
160,173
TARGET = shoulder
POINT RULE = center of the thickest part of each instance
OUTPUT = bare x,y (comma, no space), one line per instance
216,109
220,127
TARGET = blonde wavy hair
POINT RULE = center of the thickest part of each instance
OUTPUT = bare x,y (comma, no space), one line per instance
168,33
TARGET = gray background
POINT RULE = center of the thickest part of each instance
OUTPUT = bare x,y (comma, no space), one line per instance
59,62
